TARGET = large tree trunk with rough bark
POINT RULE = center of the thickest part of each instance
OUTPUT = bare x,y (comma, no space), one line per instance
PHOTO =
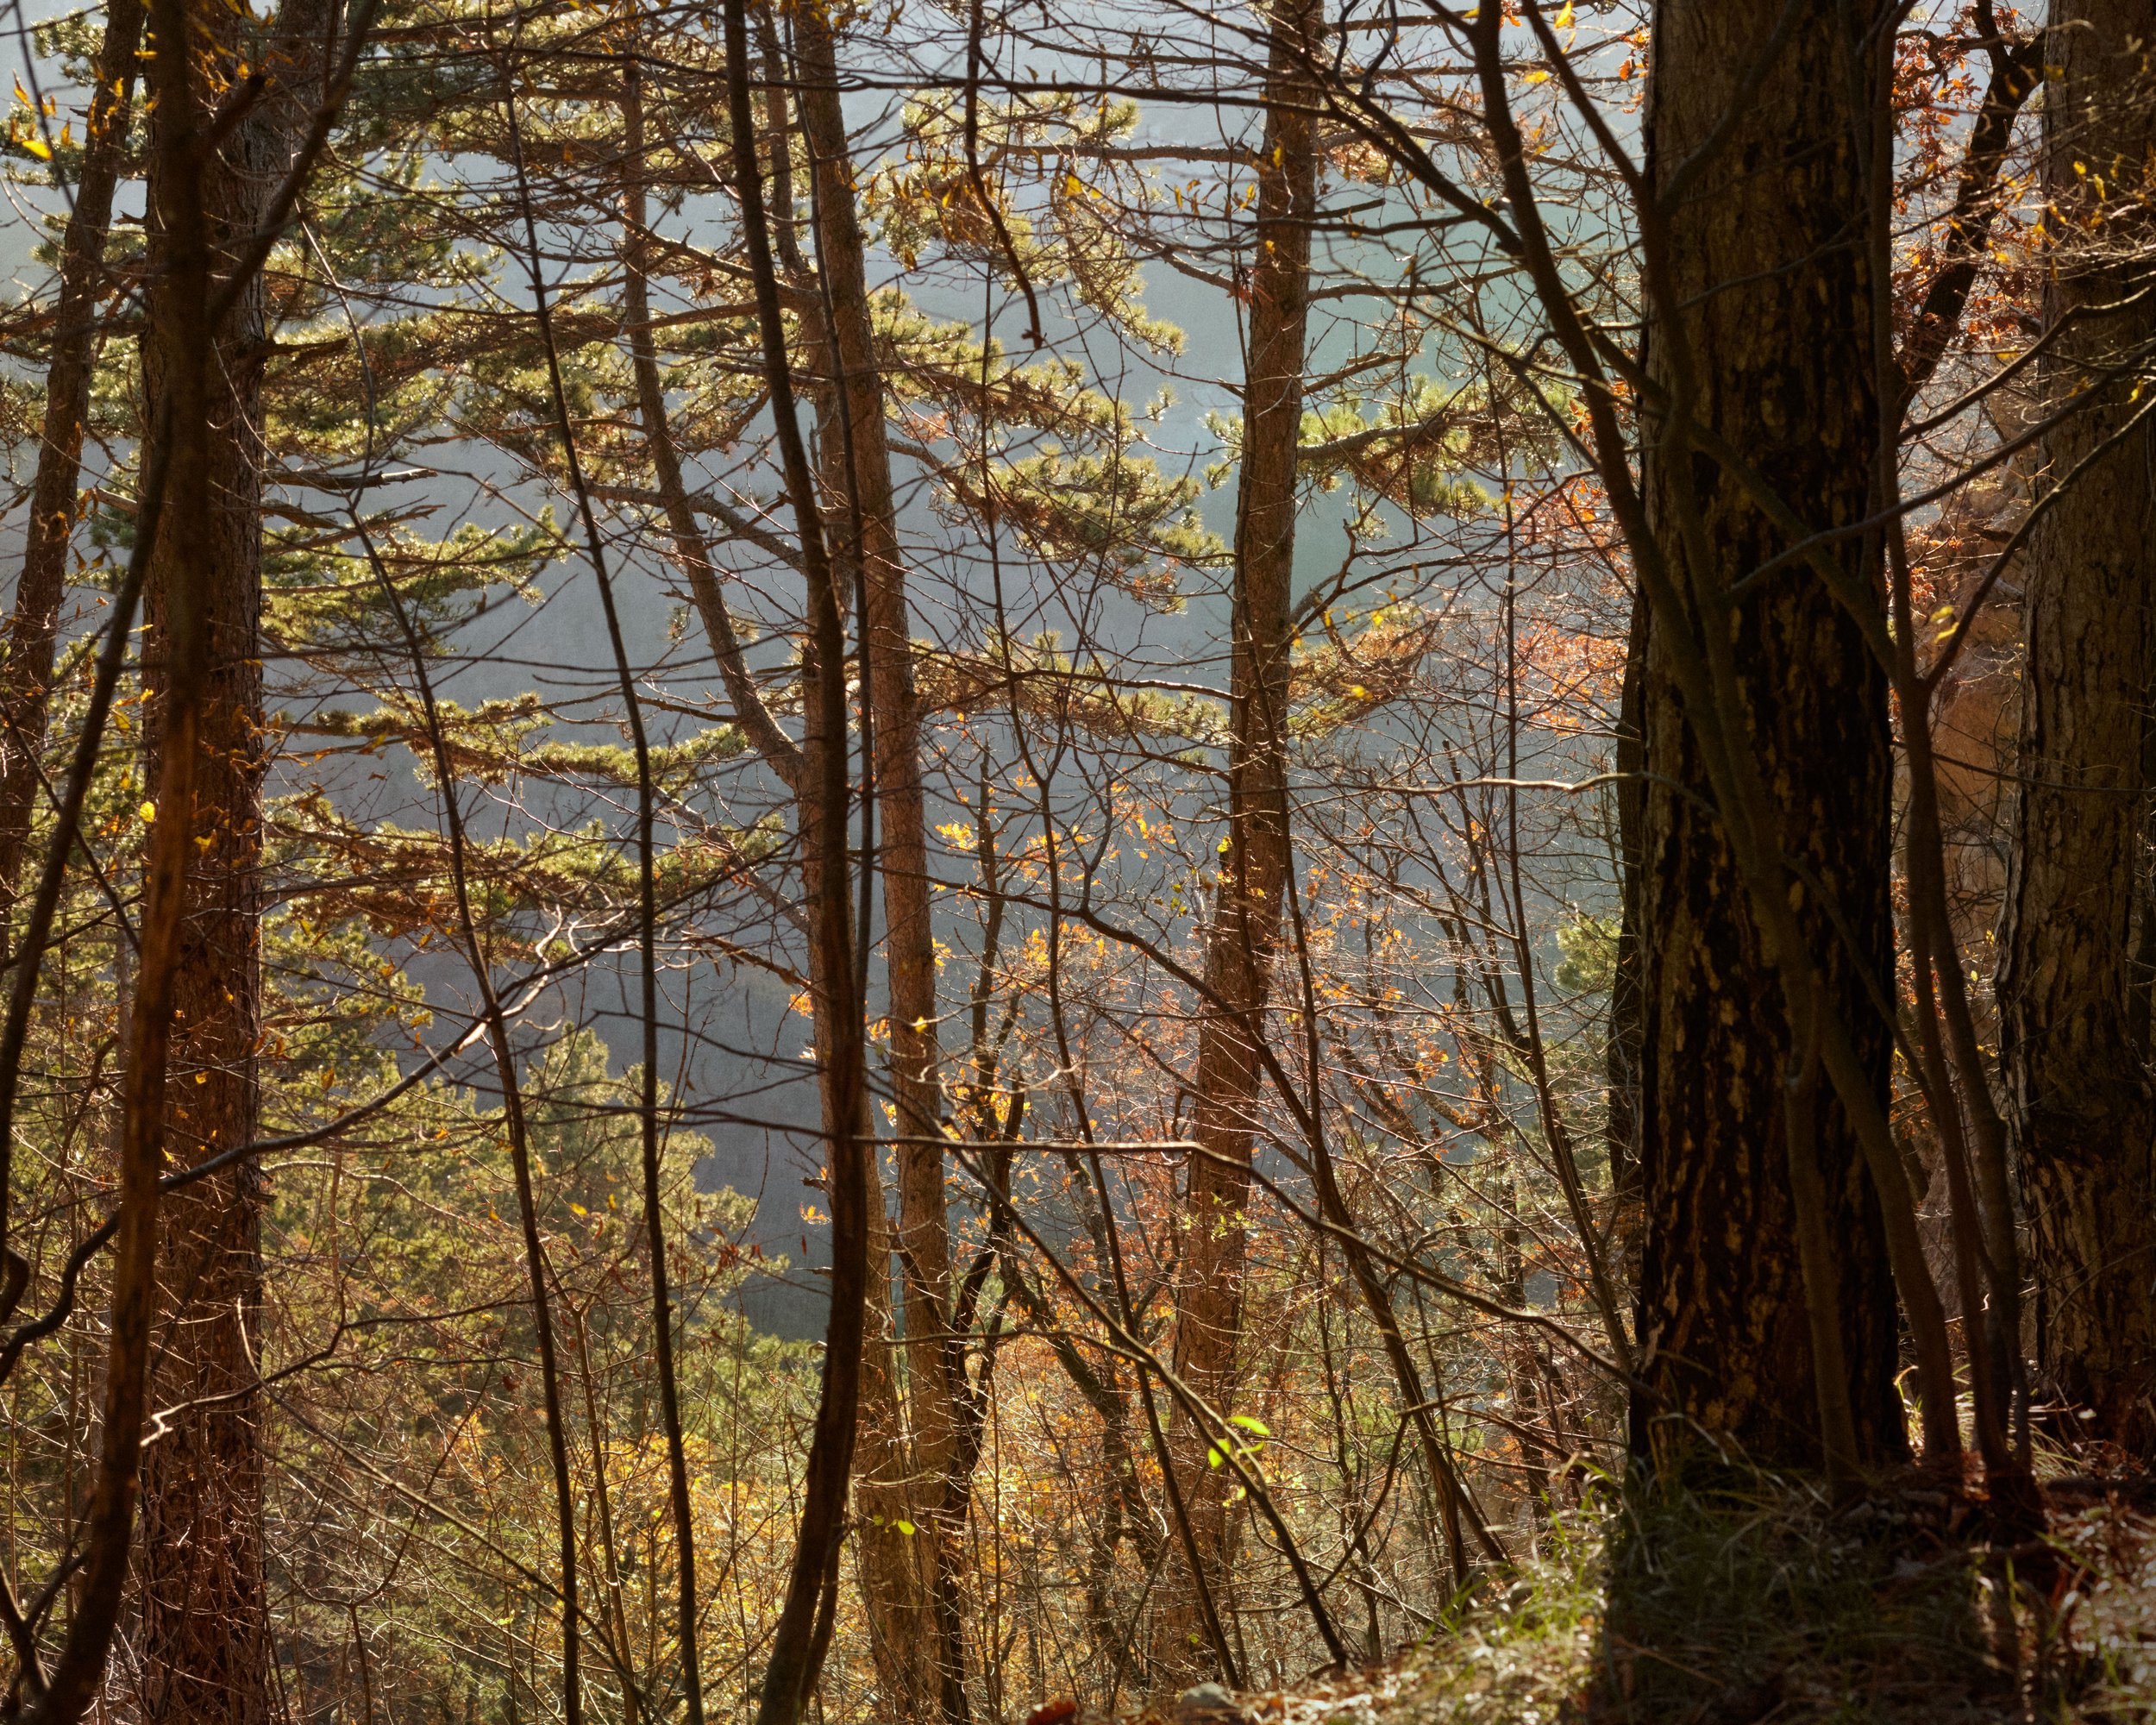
205,1630
1246,908
27,676
2078,952
1759,328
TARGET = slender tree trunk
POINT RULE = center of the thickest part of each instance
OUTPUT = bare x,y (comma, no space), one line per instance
1246,911
914,1576
1627,1006
2077,956
898,1578
689,545
26,679
1759,327
204,1627
803,1633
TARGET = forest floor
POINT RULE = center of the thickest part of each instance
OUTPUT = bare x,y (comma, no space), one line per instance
1765,1606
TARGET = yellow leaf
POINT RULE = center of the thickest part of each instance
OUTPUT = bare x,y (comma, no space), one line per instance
1535,78
37,146
1565,17
148,811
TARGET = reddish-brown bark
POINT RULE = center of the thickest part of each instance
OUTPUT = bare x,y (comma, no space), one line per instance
202,1606
1246,908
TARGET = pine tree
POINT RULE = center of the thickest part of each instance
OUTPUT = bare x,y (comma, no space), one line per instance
1759,301
203,1604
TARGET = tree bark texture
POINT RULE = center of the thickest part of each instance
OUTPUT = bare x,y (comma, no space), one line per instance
175,519
2077,952
1759,320
205,1630
26,679
1246,910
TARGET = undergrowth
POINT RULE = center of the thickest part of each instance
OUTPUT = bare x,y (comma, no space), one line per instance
1761,1604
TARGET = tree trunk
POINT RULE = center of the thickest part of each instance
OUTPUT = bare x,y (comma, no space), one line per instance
2078,952
205,1647
913,1578
802,1634
175,525
906,1576
1759,325
1627,1007
1246,910
26,679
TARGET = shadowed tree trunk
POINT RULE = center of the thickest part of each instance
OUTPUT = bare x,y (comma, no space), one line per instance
1758,324
204,1631
1246,909
26,679
2078,952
